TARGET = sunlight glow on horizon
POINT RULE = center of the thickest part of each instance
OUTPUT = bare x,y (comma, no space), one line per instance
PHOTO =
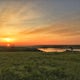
8,40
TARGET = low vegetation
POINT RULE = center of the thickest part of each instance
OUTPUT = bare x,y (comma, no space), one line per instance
39,66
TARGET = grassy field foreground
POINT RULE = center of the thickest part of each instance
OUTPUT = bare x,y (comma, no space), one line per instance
39,66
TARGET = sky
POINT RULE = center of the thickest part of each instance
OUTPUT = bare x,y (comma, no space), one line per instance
39,22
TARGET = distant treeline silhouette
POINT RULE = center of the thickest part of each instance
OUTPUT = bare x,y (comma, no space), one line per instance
58,46
14,49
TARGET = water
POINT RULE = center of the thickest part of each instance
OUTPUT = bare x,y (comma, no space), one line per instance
55,49
51,49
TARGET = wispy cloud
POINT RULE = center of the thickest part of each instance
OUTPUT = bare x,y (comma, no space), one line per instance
63,29
16,15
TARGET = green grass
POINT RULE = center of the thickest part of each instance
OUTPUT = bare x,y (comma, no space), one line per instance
39,66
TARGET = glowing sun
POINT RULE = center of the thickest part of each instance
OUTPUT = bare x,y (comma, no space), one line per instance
8,39
8,45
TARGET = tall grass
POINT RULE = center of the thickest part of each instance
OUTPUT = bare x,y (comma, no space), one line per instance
39,66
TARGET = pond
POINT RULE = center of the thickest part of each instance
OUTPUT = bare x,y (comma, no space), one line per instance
55,49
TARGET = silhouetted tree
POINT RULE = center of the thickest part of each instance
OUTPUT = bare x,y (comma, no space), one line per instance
71,48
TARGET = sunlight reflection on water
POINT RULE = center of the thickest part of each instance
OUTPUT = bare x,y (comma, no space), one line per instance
55,49
51,50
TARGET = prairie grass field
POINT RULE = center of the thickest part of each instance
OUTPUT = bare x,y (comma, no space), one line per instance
39,66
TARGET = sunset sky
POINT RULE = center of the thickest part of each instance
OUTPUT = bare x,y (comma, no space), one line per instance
39,22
